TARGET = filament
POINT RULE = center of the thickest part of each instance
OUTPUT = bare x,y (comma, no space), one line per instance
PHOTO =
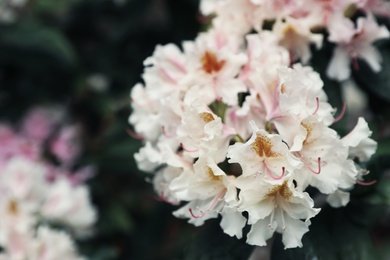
318,106
308,166
270,173
283,222
271,219
164,132
134,135
366,183
338,118
212,205
188,150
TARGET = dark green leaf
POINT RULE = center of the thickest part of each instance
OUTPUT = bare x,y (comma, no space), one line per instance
34,46
373,82
211,243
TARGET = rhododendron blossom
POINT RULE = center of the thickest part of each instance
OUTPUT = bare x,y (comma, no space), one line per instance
36,192
297,23
232,124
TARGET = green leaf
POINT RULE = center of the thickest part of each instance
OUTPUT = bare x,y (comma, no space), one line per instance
381,196
36,47
335,234
354,242
383,147
50,6
118,158
120,219
211,243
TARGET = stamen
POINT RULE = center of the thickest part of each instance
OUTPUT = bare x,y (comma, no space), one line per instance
187,150
283,222
271,220
134,135
308,166
212,205
319,167
270,173
318,106
164,132
338,118
366,183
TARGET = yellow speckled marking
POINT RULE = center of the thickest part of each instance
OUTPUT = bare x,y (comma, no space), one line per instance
263,147
282,190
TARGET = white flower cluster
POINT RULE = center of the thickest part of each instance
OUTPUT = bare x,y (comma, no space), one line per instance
36,193
231,126
298,23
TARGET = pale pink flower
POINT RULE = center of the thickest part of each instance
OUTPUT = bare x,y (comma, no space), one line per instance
354,43
145,113
296,36
69,205
359,143
164,71
378,7
24,180
215,61
210,192
320,154
201,131
265,154
275,206
39,123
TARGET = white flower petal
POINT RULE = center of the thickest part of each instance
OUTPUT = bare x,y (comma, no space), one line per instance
260,233
338,199
339,65
232,222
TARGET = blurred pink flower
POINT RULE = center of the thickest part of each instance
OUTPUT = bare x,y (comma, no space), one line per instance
66,146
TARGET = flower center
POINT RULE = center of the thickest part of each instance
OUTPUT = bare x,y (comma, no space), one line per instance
211,174
210,63
206,117
263,147
309,128
283,190
13,207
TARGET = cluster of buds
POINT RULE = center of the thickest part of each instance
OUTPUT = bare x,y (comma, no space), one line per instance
36,193
232,124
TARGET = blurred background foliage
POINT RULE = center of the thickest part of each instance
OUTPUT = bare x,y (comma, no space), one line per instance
87,54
